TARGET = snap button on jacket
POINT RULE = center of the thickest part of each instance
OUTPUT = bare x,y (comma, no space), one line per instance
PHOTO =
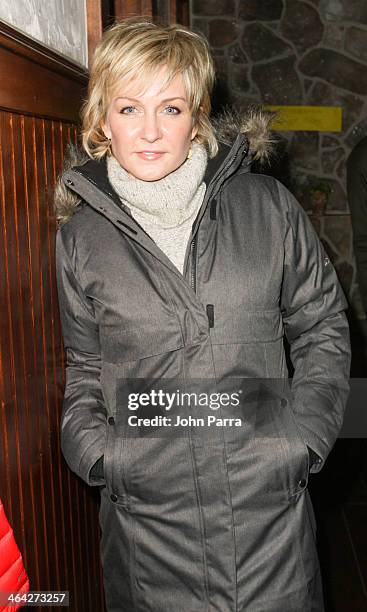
220,523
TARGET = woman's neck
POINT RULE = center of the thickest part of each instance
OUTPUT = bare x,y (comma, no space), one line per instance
168,201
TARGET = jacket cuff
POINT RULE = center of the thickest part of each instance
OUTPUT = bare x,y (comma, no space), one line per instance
97,470
91,469
314,443
315,460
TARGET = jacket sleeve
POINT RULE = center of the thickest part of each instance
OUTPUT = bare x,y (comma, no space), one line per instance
83,421
357,199
312,305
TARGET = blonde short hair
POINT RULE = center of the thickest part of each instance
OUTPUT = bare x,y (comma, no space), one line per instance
136,48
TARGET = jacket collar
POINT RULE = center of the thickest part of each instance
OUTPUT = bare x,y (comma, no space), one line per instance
95,171
90,182
219,168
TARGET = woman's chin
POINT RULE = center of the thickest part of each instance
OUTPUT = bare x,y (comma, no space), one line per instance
150,174
152,170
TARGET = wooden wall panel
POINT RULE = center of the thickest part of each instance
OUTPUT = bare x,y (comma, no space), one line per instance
53,514
35,89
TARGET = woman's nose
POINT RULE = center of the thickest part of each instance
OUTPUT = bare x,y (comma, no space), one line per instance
151,128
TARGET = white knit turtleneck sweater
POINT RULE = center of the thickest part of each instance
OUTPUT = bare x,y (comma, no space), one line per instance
166,209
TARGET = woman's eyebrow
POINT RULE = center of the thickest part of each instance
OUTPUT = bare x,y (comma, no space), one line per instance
174,98
162,101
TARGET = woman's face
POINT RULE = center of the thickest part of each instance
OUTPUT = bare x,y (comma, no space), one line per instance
151,132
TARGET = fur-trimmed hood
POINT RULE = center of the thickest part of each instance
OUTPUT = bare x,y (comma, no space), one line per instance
253,123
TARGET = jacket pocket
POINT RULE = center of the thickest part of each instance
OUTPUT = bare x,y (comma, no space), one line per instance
145,352
138,343
151,468
268,450
114,463
294,449
279,450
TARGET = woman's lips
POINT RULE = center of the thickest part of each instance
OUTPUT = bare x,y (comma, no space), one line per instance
150,155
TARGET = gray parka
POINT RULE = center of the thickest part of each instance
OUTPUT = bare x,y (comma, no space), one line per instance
216,518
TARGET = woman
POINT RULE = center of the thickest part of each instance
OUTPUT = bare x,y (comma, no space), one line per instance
177,266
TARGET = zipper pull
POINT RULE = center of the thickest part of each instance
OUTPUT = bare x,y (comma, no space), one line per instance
213,210
210,314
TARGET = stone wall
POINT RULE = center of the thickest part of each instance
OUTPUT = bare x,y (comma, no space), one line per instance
300,52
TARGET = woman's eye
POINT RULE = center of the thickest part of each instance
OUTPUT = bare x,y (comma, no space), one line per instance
128,110
172,110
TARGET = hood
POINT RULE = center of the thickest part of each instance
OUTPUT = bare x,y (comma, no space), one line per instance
253,124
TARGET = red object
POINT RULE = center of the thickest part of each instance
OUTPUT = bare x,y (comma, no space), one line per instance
13,577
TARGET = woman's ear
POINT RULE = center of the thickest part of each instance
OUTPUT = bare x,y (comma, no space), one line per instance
195,128
105,127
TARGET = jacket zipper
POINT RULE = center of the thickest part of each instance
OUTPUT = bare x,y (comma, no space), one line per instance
194,240
193,263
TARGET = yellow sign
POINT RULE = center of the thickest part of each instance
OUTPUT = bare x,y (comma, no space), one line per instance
307,118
